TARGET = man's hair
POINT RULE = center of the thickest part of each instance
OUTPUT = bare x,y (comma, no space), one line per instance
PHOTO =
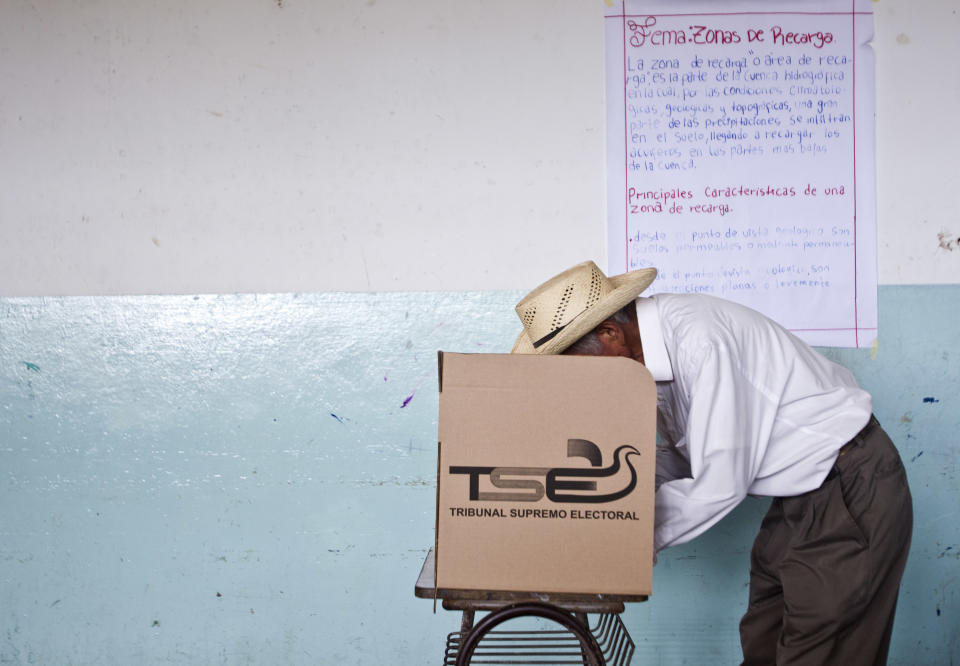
590,343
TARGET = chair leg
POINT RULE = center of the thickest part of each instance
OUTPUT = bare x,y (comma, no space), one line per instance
466,622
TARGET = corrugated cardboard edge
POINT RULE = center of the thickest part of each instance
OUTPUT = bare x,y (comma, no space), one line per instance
436,532
440,371
436,519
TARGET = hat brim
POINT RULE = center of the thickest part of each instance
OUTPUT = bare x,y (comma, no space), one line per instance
626,287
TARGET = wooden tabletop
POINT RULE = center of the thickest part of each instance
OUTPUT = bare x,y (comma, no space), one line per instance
454,599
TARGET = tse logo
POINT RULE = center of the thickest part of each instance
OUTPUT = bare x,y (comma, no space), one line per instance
553,481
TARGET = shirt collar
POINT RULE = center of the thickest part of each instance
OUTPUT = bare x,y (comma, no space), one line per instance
655,355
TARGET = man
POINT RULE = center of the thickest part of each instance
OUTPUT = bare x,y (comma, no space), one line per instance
748,408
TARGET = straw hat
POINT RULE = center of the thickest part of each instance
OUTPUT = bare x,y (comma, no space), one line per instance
568,306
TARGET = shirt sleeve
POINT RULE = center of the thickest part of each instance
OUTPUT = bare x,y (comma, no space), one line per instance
671,465
728,427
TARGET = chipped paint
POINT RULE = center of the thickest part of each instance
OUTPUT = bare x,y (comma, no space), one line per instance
948,241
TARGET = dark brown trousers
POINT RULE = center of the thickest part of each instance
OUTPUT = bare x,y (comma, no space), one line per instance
825,568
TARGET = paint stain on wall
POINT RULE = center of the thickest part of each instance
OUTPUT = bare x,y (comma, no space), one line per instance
340,420
406,401
32,367
930,400
903,39
948,241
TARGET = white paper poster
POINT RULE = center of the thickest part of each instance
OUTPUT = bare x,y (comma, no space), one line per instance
740,156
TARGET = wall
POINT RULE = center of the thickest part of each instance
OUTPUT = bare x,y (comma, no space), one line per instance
288,145
291,146
250,479
240,478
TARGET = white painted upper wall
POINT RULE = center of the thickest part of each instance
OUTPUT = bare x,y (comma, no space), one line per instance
918,144
174,146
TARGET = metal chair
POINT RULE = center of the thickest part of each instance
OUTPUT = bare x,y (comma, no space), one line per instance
606,644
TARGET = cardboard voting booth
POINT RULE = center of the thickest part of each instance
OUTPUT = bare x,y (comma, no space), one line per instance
546,474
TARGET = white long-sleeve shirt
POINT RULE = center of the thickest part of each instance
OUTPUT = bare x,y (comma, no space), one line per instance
751,408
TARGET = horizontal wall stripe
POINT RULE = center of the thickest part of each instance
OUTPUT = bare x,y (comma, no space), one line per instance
224,479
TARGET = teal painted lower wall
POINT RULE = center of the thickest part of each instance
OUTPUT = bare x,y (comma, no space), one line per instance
250,480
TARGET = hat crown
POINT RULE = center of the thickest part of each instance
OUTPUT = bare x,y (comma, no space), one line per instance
562,299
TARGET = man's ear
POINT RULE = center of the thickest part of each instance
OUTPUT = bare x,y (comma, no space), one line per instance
610,331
